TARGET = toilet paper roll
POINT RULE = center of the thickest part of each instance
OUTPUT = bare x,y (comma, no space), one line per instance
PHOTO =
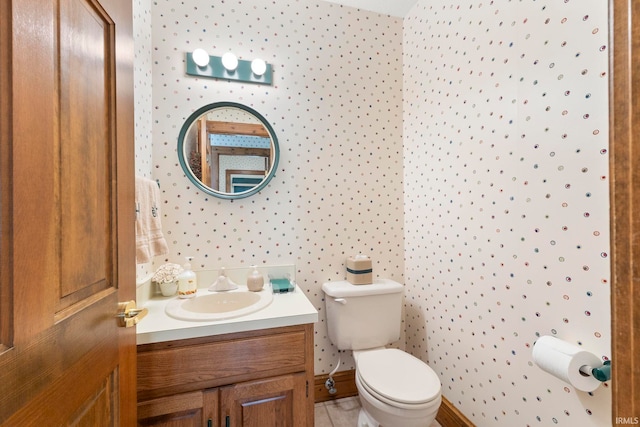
564,360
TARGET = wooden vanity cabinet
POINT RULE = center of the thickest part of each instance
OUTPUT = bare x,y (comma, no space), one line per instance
257,378
181,410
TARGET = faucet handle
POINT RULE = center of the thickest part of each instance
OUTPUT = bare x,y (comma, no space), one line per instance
223,284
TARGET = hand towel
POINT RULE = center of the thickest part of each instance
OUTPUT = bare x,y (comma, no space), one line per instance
150,241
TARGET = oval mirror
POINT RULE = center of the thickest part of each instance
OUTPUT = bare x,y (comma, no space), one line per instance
228,150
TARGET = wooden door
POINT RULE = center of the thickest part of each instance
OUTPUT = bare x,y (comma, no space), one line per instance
272,402
625,209
66,213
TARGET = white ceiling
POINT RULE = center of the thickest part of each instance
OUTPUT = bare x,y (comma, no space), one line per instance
386,7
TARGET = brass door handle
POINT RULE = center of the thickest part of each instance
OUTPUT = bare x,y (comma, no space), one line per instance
128,315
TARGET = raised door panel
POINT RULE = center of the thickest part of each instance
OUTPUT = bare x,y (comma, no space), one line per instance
87,143
273,402
181,410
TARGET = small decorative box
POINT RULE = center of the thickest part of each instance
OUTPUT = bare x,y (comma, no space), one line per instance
359,270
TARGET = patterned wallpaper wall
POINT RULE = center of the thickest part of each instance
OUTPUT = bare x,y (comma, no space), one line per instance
336,107
240,141
506,201
504,170
143,104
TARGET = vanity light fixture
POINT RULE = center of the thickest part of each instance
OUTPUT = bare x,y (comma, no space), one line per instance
229,62
228,67
258,66
201,57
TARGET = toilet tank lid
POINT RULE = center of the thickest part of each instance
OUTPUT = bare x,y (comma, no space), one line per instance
344,289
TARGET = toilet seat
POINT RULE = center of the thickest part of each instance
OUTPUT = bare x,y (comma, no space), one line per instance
397,378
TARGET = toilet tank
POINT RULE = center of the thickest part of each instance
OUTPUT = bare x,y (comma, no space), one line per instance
363,316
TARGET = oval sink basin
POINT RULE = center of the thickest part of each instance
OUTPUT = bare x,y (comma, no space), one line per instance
219,305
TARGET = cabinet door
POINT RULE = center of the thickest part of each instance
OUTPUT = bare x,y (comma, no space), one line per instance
273,402
195,409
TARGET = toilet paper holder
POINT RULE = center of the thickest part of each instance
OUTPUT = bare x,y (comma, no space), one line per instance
570,363
602,373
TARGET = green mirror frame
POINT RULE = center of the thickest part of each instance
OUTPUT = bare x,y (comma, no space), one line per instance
184,160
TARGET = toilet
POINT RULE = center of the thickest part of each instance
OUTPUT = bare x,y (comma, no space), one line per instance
396,389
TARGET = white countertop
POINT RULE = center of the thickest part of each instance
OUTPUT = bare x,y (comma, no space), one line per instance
287,309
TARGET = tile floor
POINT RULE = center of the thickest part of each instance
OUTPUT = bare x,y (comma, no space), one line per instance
341,413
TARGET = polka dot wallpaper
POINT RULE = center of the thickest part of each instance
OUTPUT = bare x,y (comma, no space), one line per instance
506,201
336,107
464,148
143,104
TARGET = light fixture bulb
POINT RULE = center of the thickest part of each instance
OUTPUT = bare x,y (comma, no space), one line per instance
200,57
229,61
258,66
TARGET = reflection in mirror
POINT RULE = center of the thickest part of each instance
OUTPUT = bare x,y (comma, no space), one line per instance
228,150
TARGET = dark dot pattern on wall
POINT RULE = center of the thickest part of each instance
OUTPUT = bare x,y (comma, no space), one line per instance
143,104
506,201
336,107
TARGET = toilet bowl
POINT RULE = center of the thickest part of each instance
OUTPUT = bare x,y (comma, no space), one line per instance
395,389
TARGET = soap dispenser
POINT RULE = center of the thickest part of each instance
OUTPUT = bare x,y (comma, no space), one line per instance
187,281
255,280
